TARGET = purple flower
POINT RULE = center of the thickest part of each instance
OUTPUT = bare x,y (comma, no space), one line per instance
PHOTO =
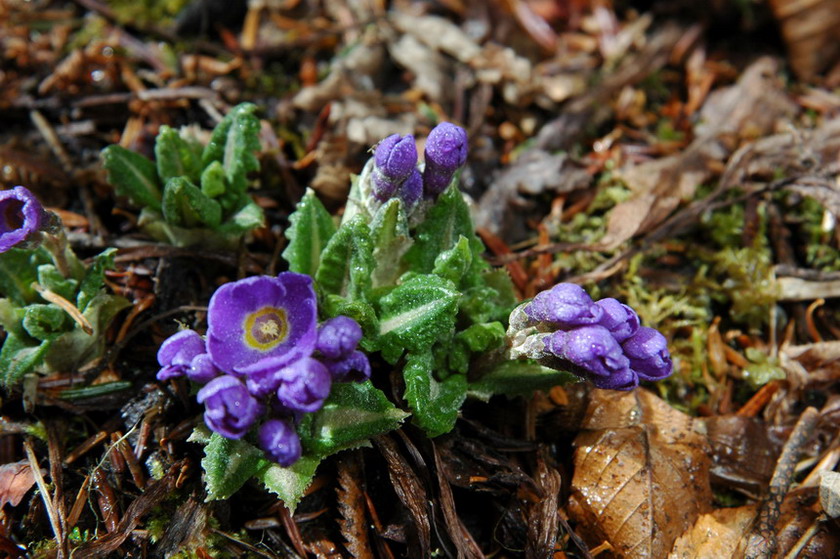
338,337
411,190
618,318
647,350
280,441
262,323
202,369
229,409
394,160
445,153
565,304
596,354
306,384
21,215
354,367
177,352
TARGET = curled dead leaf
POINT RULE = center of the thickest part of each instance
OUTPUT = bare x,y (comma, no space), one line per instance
16,479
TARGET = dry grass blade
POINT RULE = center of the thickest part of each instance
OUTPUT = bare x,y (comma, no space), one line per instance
351,506
466,545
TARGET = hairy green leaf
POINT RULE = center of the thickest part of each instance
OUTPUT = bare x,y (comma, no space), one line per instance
234,144
44,322
391,240
290,483
228,464
94,279
19,357
434,404
347,261
518,378
133,176
174,157
213,180
249,217
310,228
184,204
18,270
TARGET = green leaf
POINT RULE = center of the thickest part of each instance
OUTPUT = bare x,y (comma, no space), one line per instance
213,180
249,217
310,228
11,317
175,157
44,322
416,314
19,357
391,240
483,337
518,378
228,464
434,404
446,221
234,144
50,278
347,261
452,264
290,483
18,270
360,311
133,176
353,413
184,204
94,279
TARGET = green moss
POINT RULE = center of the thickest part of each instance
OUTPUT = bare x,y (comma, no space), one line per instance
144,12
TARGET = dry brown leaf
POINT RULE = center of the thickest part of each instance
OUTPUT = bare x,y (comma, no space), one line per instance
641,473
351,505
16,479
744,452
811,30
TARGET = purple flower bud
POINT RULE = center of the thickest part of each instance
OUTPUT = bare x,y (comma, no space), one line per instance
306,384
355,367
411,190
394,160
229,409
338,337
565,304
177,352
21,215
596,355
202,369
618,318
280,441
647,350
446,152
262,322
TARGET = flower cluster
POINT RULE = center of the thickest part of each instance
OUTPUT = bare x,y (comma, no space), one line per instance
21,217
600,341
265,356
395,171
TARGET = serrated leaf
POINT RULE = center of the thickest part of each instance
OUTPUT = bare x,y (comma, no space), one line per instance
184,204
445,223
234,144
290,483
94,279
213,180
415,314
454,263
483,337
347,261
174,157
434,404
249,217
310,228
360,311
18,270
353,413
391,240
19,357
228,464
133,176
518,378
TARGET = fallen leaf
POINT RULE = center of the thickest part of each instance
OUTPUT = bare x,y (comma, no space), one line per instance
16,479
641,473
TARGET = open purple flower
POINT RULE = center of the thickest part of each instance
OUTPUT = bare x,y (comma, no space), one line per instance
445,153
280,441
306,384
565,304
262,323
177,352
648,352
21,215
596,355
229,409
394,159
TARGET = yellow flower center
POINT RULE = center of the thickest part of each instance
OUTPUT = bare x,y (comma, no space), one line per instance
266,328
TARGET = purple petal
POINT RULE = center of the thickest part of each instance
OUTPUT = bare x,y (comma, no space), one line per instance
202,369
565,304
229,409
338,337
177,352
353,368
593,349
396,157
648,352
305,386
446,151
411,190
618,318
280,441
21,215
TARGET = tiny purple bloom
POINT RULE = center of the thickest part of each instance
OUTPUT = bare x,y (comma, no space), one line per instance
177,352
618,318
338,337
21,215
565,304
355,367
411,190
394,160
280,441
262,323
648,353
229,409
599,357
202,369
306,384
445,153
